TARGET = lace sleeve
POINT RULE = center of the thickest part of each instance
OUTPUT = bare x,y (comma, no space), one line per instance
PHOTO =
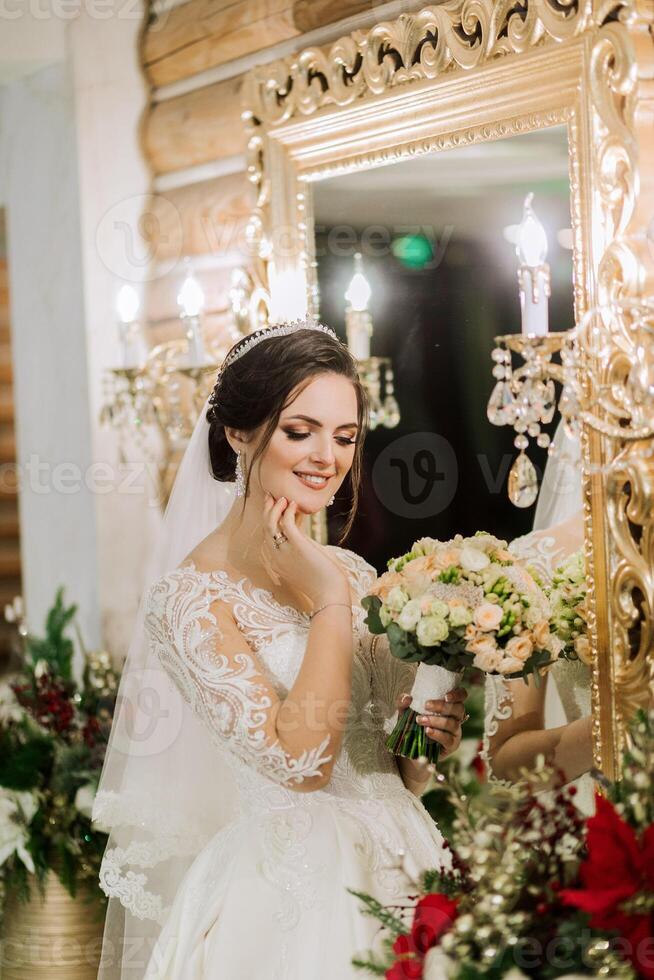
390,678
197,641
498,703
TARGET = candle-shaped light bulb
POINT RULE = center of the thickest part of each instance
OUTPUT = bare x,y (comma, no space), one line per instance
191,296
532,238
534,272
358,292
127,304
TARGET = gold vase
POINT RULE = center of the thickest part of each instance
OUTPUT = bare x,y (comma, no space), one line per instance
57,936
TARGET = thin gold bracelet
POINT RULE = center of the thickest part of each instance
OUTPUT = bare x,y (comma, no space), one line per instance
327,604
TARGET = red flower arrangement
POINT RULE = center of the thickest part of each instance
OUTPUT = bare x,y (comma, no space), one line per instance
528,873
618,883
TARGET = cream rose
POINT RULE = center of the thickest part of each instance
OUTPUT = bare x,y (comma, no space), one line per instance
431,630
488,616
397,599
520,647
385,615
431,606
474,560
460,615
410,615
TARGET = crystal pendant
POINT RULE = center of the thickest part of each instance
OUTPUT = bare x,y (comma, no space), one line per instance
500,404
392,412
523,482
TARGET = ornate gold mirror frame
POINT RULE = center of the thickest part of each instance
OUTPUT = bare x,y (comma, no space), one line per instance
470,70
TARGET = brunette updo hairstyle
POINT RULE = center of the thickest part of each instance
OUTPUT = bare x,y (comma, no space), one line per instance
255,389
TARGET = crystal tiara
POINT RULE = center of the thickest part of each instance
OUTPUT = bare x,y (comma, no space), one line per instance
267,333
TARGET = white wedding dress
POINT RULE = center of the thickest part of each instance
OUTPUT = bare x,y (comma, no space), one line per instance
267,898
570,698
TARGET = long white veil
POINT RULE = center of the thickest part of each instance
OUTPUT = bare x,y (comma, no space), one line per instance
164,791
560,494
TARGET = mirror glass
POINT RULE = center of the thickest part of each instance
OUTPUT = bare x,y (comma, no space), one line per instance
436,235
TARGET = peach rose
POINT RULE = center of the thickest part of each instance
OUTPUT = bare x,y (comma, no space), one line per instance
541,635
582,649
487,655
488,616
520,648
385,583
510,665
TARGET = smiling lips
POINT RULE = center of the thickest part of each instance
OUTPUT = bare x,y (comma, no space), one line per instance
313,480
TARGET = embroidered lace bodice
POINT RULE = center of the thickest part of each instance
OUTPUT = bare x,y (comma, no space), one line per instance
572,678
232,681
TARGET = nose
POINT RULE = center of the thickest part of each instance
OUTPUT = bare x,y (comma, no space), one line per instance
323,454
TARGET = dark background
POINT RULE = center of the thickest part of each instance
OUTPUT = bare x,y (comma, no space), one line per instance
437,325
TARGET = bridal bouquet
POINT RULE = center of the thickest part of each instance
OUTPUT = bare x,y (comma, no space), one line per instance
449,605
567,596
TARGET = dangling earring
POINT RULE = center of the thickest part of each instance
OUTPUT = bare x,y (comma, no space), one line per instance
331,501
240,477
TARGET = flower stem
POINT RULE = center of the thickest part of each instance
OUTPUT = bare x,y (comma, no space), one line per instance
409,739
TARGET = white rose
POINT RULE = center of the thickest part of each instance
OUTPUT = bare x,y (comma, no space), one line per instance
431,606
437,965
40,668
431,630
473,560
488,616
84,798
410,615
385,615
16,813
460,615
396,599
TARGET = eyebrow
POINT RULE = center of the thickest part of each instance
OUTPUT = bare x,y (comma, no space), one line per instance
307,418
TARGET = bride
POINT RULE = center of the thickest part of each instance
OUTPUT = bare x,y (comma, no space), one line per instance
554,719
247,785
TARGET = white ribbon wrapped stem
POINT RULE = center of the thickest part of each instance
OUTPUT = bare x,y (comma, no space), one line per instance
431,683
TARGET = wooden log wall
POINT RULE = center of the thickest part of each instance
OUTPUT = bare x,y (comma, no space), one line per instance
195,57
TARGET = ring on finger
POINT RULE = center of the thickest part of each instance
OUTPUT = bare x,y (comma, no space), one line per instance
279,539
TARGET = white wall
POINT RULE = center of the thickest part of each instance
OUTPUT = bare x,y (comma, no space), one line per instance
72,182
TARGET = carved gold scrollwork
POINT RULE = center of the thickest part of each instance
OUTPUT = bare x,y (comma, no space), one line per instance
630,495
503,68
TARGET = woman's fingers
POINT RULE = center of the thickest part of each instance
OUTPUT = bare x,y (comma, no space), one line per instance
440,723
447,709
446,739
